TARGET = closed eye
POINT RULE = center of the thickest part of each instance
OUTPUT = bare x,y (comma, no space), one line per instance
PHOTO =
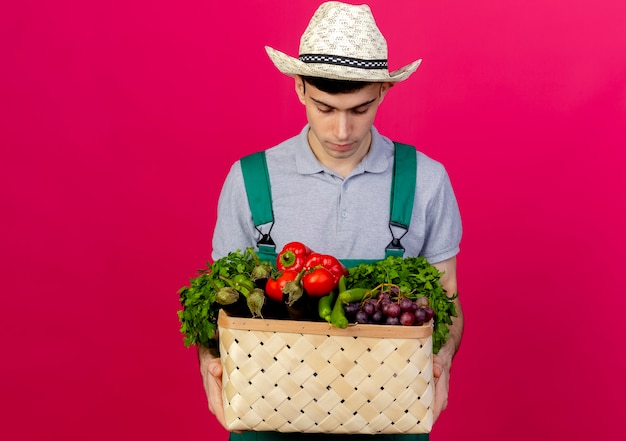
360,111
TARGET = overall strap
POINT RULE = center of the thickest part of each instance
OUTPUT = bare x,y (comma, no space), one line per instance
257,182
402,195
258,189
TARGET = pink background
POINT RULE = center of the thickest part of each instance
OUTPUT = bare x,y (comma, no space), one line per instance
119,121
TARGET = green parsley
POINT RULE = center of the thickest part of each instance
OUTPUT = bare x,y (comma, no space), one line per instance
198,317
415,277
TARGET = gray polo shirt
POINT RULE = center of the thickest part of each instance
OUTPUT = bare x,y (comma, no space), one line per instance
348,218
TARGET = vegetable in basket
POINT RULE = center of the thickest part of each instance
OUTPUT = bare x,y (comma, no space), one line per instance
303,278
414,277
319,275
292,256
322,274
338,316
274,286
226,281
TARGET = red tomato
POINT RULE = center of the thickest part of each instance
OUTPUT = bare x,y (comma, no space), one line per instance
274,287
318,282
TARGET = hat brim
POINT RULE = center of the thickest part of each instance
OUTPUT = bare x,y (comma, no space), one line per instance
292,66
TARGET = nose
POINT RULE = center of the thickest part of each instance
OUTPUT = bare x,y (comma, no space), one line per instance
342,126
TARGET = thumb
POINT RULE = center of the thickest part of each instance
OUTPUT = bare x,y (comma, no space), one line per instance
215,367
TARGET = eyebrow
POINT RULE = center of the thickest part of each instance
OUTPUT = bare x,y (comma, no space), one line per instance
351,108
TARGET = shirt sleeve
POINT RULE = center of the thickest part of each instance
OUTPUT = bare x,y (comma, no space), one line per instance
443,223
234,229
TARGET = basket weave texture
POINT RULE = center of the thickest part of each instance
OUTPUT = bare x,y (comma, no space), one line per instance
295,376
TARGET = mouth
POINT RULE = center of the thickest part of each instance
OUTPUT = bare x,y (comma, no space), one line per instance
341,147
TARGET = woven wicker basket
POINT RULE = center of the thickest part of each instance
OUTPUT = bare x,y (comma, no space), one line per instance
298,376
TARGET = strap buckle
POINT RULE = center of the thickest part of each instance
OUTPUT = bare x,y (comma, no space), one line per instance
395,247
266,238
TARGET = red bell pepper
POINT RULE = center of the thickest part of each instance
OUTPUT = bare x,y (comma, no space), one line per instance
292,256
274,287
327,261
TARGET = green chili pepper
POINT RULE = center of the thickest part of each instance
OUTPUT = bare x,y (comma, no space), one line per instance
341,285
353,295
338,315
325,305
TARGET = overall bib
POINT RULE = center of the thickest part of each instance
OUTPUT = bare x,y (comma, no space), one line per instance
257,183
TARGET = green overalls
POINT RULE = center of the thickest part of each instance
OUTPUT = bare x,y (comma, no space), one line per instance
256,179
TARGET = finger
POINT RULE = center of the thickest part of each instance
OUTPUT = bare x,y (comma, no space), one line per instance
437,370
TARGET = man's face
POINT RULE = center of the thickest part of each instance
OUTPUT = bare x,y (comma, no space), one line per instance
340,123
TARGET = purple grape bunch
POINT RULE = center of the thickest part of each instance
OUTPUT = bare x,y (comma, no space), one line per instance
390,308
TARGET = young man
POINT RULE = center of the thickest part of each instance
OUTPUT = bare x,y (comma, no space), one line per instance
331,183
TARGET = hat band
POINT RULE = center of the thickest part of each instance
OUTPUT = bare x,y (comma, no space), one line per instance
343,61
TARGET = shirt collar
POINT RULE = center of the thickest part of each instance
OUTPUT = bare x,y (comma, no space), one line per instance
377,159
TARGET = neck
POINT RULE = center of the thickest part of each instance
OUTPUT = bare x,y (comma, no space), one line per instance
343,166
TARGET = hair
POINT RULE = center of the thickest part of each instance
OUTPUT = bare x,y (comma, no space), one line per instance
335,86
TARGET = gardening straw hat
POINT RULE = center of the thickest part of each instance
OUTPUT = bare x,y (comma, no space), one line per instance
342,42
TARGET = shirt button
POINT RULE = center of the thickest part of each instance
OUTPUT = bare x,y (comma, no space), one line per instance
344,214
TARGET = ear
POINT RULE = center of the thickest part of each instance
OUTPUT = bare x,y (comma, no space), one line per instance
384,88
299,82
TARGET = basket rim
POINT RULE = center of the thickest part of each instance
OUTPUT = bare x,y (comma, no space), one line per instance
323,328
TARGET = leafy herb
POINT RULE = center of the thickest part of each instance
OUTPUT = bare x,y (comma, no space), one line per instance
198,317
415,277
